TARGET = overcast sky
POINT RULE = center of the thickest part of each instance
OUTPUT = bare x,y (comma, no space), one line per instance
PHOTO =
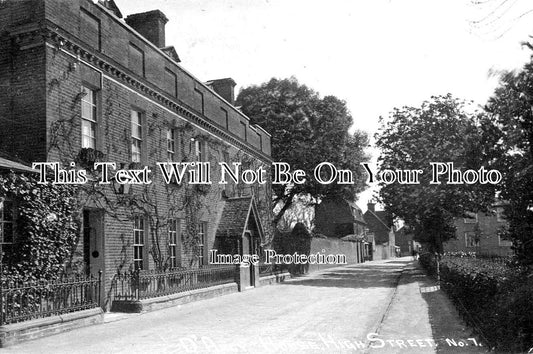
374,54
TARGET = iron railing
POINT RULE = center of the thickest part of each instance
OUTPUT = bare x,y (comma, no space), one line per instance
271,269
142,284
28,300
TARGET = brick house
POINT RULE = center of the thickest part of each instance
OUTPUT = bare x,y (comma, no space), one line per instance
84,85
480,233
343,219
338,218
380,225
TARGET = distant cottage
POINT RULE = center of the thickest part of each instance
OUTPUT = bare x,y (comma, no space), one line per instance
481,233
339,218
381,228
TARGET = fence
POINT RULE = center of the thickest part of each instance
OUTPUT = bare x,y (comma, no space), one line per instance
23,301
141,284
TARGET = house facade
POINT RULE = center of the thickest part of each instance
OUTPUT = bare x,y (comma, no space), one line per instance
479,232
381,228
338,218
82,85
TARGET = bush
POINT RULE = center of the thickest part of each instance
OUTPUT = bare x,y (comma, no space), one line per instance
427,260
296,241
493,298
515,315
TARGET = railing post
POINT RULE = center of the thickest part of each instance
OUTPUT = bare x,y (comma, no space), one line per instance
437,256
136,284
99,288
238,275
1,288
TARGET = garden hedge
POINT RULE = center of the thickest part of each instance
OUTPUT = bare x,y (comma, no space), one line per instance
495,299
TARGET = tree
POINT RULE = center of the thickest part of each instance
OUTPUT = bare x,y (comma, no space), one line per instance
511,110
441,130
306,130
494,18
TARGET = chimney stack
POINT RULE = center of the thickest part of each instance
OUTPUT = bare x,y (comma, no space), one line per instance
151,25
371,205
224,87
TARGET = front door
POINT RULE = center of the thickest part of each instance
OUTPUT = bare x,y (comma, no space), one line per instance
247,274
252,251
93,245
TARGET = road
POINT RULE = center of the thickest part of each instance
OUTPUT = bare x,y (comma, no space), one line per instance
375,307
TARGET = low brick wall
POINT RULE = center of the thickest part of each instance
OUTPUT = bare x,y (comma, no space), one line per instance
162,302
273,279
382,252
352,251
27,330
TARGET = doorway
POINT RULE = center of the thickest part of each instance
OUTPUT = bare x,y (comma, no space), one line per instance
93,246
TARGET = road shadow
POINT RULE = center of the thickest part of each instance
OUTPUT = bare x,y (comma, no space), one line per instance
363,276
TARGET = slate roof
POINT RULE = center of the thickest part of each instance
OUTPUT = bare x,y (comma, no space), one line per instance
234,217
384,217
171,52
340,211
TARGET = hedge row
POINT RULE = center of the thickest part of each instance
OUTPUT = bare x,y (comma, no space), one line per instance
493,298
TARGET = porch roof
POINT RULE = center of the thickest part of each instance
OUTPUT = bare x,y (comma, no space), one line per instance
353,238
235,215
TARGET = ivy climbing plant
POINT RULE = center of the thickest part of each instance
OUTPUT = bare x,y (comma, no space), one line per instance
46,225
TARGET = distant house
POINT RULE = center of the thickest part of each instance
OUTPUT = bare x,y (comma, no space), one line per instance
404,240
337,228
339,218
480,233
380,224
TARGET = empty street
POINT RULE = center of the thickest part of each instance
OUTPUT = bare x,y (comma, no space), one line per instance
375,307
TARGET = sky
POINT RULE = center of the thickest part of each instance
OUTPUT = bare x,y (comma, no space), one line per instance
374,54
